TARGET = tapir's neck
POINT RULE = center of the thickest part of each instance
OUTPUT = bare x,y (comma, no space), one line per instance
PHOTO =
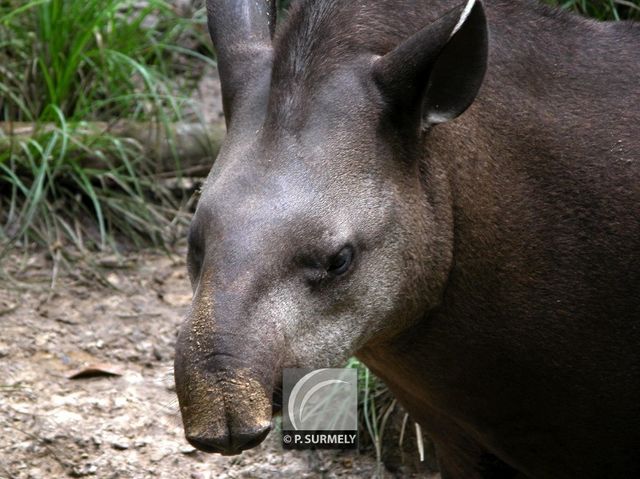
534,167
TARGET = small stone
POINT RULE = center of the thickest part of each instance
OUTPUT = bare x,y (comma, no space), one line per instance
140,443
187,450
178,299
156,353
114,280
157,456
143,346
120,445
50,436
35,473
84,470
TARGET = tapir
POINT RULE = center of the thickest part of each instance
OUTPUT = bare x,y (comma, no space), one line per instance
447,190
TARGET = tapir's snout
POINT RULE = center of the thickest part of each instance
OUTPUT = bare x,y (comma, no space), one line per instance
223,414
226,407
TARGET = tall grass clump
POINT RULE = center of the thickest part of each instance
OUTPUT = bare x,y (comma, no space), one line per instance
602,9
65,65
375,403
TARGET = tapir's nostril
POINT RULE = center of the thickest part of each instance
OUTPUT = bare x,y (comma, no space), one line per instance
228,446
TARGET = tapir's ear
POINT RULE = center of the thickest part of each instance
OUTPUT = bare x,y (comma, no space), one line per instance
440,68
241,31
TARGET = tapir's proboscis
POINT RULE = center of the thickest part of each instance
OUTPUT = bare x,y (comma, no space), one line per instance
447,190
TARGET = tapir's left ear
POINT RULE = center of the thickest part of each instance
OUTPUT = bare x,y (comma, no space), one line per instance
440,68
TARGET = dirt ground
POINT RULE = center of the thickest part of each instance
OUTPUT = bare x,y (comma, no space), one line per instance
126,425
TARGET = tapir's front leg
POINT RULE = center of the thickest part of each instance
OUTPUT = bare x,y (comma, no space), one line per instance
474,464
459,455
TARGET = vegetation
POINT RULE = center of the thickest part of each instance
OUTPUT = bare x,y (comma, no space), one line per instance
64,63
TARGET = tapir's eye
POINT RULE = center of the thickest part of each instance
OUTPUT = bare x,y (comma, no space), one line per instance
340,262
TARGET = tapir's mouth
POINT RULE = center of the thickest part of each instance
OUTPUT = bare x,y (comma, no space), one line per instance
202,446
245,442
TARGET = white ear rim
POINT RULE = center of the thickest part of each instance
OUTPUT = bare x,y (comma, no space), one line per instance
463,17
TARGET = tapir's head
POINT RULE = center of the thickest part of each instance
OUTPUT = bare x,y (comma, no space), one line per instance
319,229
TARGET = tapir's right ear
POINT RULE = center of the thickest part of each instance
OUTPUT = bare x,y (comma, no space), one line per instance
439,69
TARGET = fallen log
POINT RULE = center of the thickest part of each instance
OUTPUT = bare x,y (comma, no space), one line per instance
192,146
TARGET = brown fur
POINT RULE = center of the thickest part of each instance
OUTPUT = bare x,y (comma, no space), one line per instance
496,282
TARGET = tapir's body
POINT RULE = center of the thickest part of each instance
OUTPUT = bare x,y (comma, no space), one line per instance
534,353
506,265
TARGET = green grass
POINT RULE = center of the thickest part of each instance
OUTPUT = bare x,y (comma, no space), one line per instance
67,62
375,403
602,9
